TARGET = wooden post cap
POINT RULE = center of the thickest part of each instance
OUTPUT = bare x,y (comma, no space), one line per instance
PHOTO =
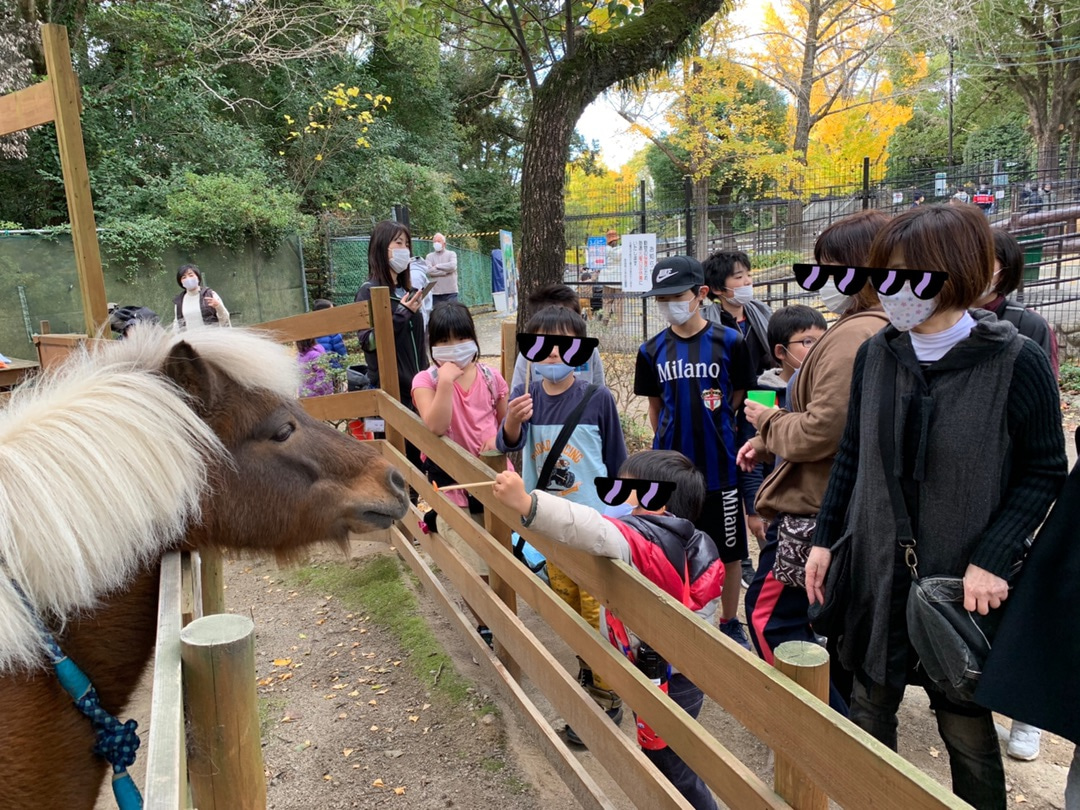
221,628
801,654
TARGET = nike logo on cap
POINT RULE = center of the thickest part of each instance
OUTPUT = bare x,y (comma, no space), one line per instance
664,274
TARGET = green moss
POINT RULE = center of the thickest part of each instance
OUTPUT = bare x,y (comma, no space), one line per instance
270,710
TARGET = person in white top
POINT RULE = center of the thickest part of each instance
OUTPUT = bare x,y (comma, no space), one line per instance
197,306
442,269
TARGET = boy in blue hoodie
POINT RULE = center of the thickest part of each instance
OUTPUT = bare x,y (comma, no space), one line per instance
535,417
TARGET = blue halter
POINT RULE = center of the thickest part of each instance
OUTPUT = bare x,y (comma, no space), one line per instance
116,742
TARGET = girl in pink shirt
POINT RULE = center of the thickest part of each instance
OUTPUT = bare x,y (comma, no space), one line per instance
462,399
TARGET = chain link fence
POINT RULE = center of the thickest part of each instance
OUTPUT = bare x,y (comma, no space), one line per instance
349,270
777,226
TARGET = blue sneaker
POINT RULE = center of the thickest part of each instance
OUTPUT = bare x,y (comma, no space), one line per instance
733,629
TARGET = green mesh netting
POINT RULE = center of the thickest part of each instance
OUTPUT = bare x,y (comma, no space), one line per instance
348,256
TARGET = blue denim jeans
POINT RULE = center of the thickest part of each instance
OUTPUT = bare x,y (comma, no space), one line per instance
683,691
443,298
978,776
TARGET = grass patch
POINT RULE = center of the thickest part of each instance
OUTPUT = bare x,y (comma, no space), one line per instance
492,765
270,709
1070,377
377,589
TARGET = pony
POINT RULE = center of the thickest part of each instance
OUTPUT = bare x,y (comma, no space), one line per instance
126,451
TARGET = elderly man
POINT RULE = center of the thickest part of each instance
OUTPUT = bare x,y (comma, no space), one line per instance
442,269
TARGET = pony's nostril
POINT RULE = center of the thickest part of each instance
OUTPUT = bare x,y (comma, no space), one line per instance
396,480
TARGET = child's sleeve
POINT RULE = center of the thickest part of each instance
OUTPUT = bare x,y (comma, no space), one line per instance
500,438
646,380
611,433
422,379
578,526
742,372
518,380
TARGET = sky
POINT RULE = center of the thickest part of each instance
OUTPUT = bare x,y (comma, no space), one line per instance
600,121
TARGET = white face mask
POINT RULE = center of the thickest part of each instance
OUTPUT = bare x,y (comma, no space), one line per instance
834,300
190,283
993,284
399,259
460,354
676,312
906,311
743,295
438,247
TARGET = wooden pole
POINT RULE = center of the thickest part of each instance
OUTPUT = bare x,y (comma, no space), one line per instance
386,351
226,765
69,139
501,532
212,581
807,664
509,351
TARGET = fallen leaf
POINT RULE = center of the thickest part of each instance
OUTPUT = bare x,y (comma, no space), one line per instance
382,692
286,719
266,681
934,752
321,621
373,702
1021,798
378,783
400,791
282,662
413,718
327,777
397,663
425,707
284,676
373,728
302,635
376,686
340,686
354,693
347,751
343,716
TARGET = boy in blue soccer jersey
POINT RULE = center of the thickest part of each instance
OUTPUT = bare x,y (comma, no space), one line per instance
696,374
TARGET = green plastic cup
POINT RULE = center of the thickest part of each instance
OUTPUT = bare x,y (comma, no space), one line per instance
766,398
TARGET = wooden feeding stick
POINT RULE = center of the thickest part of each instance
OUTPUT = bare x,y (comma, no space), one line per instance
463,486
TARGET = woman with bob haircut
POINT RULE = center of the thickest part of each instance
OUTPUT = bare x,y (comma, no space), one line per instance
955,418
389,256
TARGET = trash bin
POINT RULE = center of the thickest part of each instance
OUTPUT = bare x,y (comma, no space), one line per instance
1032,255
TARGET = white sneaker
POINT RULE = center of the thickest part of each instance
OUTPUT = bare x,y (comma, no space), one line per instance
1023,741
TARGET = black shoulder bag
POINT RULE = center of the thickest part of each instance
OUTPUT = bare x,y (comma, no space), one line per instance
564,436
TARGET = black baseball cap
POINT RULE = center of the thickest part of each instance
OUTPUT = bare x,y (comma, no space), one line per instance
674,275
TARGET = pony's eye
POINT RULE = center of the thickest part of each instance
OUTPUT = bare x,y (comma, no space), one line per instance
284,432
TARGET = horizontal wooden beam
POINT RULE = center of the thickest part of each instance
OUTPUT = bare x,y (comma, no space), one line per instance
29,107
619,754
351,405
852,767
580,782
735,783
347,318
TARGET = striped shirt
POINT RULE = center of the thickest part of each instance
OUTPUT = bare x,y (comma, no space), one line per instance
696,379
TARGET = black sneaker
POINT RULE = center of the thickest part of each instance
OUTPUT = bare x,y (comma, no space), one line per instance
747,572
485,634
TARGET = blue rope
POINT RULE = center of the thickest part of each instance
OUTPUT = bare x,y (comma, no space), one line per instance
116,742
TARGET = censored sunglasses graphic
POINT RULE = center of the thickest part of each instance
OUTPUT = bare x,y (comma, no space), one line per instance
651,495
574,351
849,280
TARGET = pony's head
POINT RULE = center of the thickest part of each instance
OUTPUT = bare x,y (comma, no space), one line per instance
287,480
139,445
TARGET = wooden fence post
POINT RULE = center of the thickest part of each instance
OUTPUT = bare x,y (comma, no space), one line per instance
382,319
212,581
807,664
226,765
509,351
501,532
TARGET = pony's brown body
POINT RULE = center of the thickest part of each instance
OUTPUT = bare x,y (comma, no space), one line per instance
288,481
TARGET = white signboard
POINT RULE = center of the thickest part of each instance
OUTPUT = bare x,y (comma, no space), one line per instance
637,261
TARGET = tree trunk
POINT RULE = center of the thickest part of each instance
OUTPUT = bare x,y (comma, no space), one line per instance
701,219
600,60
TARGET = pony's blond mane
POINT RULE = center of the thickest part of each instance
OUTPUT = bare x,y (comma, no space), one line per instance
102,464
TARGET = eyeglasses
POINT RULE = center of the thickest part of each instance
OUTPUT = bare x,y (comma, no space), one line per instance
574,351
806,343
652,495
925,284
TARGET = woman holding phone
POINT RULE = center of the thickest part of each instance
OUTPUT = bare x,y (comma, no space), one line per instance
389,257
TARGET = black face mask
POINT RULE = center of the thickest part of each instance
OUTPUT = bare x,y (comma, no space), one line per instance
574,351
652,495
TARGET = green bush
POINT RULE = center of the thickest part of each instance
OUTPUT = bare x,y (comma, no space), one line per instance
1070,378
227,210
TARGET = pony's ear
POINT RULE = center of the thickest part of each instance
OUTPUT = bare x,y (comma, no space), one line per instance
185,367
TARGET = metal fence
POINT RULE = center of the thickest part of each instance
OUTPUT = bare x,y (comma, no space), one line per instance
777,226
349,270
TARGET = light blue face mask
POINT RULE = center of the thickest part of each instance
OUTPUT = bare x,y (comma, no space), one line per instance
554,372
